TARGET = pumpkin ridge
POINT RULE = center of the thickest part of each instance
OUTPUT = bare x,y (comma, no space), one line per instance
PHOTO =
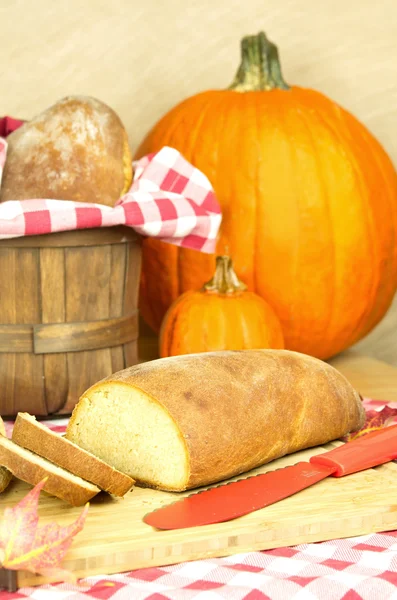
173,252
164,346
190,307
208,309
266,120
365,205
236,309
377,151
222,119
298,246
374,244
370,226
321,115
254,241
217,146
215,101
176,122
198,125
224,324
249,301
204,108
151,250
327,205
257,200
275,325
251,240
227,242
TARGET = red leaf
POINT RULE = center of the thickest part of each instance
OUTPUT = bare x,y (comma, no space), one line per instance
375,419
24,545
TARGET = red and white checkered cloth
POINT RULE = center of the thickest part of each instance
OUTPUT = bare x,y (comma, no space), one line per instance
360,568
169,199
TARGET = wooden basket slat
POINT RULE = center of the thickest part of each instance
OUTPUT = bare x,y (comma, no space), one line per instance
118,265
85,368
16,338
68,239
74,337
118,275
53,306
29,368
117,358
8,257
7,316
87,302
132,278
29,389
131,294
66,278
130,354
7,382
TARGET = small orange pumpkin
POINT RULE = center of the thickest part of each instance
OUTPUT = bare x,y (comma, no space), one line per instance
223,315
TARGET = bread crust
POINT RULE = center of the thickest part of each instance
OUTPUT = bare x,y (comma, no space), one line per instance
239,410
5,474
5,478
39,439
25,468
75,150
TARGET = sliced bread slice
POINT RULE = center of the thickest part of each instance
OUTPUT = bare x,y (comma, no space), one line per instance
38,438
32,468
5,475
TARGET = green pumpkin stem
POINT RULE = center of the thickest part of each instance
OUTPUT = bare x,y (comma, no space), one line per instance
260,66
225,280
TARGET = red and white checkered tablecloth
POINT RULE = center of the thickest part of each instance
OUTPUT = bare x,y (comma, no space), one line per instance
169,199
360,568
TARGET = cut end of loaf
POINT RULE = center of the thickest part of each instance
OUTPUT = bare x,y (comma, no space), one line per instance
38,438
132,431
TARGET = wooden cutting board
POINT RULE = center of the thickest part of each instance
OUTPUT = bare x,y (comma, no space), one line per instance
115,539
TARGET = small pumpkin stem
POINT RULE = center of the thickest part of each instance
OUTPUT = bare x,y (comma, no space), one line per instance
225,280
260,67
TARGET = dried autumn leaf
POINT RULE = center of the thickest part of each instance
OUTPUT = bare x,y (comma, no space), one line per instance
374,420
25,546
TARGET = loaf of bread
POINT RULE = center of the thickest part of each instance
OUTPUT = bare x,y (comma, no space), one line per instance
186,421
29,467
75,150
38,438
5,474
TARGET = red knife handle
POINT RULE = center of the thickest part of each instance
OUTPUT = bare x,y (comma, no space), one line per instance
368,451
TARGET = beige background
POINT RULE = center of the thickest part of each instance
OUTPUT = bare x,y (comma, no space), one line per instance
142,57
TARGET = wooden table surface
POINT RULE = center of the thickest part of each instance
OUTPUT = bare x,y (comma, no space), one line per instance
371,377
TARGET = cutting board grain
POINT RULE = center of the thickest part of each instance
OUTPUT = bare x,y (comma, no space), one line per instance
115,538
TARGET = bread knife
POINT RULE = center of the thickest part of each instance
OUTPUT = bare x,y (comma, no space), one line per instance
232,500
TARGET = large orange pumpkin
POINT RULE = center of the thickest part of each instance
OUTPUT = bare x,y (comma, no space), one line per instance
222,315
309,201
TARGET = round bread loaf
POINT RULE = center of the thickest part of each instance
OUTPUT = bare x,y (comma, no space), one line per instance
75,150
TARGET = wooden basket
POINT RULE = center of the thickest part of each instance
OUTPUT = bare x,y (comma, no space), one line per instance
68,315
